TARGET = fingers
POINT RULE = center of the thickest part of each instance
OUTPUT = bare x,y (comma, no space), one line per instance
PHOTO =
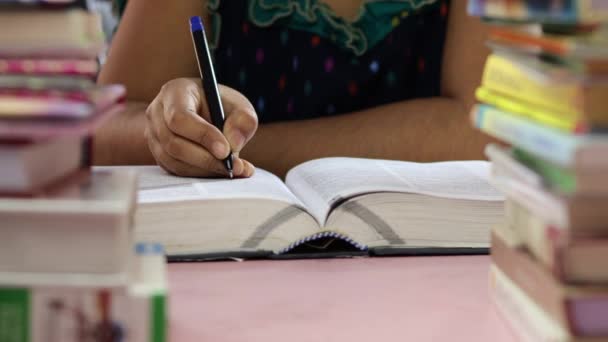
180,105
171,164
182,157
186,144
241,120
248,169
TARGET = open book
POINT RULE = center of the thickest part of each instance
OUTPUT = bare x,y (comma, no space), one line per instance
331,206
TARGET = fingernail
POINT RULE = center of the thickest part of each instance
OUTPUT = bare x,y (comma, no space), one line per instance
238,140
219,150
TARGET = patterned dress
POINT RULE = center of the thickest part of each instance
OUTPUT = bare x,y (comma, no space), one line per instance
295,59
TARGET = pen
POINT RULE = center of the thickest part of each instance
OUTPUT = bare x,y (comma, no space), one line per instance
205,67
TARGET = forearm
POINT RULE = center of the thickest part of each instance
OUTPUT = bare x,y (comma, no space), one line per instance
121,139
416,130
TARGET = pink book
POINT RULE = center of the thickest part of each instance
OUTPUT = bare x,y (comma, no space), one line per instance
34,130
27,105
580,310
80,67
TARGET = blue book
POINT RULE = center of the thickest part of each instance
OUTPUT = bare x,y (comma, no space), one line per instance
563,149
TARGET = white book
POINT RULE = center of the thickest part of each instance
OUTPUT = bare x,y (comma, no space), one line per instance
31,167
83,229
327,206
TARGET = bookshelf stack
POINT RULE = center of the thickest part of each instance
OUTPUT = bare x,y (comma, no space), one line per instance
544,92
69,267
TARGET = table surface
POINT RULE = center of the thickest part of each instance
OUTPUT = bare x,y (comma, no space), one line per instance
360,299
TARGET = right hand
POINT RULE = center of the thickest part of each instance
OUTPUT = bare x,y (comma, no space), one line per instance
185,143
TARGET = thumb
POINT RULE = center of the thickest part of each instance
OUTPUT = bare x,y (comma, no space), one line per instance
241,119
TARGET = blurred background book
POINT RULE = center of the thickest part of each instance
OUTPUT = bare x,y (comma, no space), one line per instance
70,269
544,93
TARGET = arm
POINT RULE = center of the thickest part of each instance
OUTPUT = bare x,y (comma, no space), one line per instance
166,120
149,49
417,130
424,130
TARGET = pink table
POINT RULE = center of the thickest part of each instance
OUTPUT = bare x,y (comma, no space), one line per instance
365,299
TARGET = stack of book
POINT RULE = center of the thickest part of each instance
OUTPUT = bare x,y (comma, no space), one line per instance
49,102
544,91
69,267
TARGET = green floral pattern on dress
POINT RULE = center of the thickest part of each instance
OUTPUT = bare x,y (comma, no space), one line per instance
375,20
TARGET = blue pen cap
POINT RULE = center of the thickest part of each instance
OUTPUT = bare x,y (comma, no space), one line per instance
196,24
149,248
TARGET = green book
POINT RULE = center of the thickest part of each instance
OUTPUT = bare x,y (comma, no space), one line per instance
556,178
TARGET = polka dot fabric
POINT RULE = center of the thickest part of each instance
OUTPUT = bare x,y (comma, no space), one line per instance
290,75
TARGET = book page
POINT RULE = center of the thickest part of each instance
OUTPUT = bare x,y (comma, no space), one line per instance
322,183
157,186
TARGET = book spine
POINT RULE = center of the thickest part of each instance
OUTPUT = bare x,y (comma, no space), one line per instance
528,321
41,314
555,146
532,232
534,281
505,166
76,34
15,315
66,83
547,244
158,318
503,75
538,114
567,12
559,179
23,108
49,67
150,313
323,235
520,38
149,293
568,306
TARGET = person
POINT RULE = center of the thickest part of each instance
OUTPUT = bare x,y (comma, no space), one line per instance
299,79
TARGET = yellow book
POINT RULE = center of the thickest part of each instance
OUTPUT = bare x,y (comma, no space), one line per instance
554,88
563,122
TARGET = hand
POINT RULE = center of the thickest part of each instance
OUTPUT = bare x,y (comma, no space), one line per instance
185,143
